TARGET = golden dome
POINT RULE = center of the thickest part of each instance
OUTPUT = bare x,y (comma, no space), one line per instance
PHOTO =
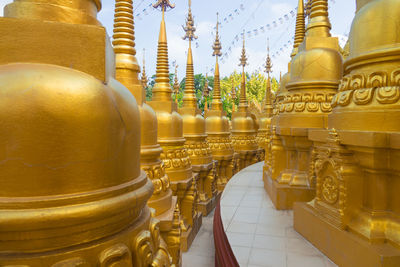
193,125
282,85
366,94
318,55
76,138
316,65
75,12
217,124
364,37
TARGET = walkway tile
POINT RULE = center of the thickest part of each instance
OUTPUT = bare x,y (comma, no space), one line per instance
260,235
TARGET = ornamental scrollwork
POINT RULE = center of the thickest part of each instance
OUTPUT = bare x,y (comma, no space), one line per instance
198,149
310,102
175,158
363,89
330,189
156,174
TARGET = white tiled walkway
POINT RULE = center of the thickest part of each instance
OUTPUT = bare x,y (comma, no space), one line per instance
259,234
202,251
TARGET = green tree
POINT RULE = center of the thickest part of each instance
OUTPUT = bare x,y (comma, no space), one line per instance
256,84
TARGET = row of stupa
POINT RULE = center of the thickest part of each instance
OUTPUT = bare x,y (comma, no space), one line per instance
91,174
333,134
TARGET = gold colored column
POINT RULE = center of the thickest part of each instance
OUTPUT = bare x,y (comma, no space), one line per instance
170,136
356,210
217,127
194,131
244,125
127,72
71,189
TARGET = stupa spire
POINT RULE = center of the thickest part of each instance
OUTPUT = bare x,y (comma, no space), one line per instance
124,29
319,24
162,89
127,67
216,103
145,80
243,62
189,99
300,28
268,108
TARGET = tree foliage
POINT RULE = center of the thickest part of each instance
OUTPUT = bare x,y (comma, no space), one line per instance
256,84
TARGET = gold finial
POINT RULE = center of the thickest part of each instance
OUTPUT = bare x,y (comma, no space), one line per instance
189,29
189,99
300,28
243,104
176,84
217,44
144,76
164,4
268,63
319,24
268,107
243,58
216,103
162,89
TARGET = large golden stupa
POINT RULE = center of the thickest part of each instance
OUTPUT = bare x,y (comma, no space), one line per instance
127,72
70,146
217,127
194,131
244,130
315,71
170,136
356,159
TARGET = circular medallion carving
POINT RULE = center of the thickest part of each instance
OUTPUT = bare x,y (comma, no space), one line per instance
330,190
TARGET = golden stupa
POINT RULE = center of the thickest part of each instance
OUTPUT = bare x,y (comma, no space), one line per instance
127,72
72,191
315,72
244,124
217,127
263,132
355,214
194,131
170,136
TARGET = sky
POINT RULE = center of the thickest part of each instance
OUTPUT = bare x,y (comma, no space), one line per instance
235,16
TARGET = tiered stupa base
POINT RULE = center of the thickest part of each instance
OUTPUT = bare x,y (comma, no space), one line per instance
181,190
188,236
283,196
343,247
292,185
126,248
225,171
206,186
246,158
